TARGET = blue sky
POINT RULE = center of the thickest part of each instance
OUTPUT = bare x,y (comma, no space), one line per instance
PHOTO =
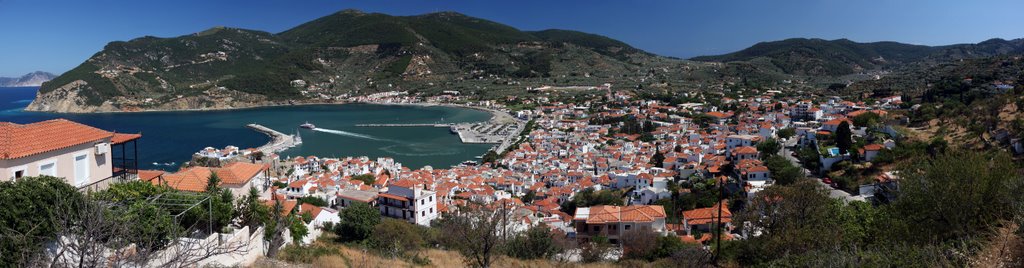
55,36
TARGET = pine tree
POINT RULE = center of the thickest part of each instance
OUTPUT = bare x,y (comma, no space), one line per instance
844,137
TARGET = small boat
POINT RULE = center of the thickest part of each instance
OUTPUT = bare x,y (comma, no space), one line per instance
307,125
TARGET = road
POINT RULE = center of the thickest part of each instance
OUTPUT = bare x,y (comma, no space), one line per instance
786,151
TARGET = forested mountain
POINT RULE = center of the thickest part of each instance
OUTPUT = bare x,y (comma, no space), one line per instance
349,52
802,56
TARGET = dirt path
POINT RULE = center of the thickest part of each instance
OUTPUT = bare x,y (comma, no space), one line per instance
1005,250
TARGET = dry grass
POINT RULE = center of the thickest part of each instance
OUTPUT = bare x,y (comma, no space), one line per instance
353,257
438,258
346,256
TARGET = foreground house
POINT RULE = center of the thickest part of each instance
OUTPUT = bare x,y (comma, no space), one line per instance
84,156
612,221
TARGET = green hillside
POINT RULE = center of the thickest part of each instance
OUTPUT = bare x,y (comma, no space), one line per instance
802,56
348,52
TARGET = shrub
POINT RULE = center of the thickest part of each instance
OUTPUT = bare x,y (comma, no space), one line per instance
395,238
357,222
535,243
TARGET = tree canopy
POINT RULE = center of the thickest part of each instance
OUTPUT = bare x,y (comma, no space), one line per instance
357,222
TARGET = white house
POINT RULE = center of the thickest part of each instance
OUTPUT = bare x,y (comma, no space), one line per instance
407,200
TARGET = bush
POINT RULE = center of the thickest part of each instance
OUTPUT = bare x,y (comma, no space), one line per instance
785,133
357,222
535,243
313,200
647,245
395,238
596,250
28,215
768,148
369,179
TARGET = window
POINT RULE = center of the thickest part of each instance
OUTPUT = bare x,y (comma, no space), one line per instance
431,210
18,174
626,227
48,169
596,228
81,169
431,198
423,213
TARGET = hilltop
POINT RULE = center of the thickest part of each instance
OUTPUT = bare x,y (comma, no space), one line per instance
346,53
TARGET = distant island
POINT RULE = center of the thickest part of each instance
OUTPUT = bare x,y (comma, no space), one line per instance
33,79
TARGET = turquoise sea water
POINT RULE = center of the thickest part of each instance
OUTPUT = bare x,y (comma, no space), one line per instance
174,136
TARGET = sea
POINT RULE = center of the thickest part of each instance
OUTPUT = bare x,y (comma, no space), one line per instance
170,138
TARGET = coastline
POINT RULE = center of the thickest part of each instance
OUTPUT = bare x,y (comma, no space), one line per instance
494,113
200,109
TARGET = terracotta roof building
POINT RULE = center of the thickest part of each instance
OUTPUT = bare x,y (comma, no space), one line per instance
237,176
82,155
703,218
613,221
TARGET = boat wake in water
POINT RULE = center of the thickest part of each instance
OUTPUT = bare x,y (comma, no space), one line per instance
346,133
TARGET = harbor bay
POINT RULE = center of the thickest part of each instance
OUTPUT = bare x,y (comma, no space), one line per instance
171,138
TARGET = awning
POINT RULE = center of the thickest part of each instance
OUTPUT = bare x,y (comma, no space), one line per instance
120,138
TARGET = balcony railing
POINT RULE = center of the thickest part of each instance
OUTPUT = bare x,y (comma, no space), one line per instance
104,184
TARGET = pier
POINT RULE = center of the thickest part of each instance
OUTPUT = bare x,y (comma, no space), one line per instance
403,125
278,141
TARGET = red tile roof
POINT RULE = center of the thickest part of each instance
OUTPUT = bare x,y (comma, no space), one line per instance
391,196
17,141
745,150
707,215
238,173
120,138
635,213
873,147
192,179
409,184
149,175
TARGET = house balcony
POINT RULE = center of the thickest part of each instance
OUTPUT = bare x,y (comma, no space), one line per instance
104,184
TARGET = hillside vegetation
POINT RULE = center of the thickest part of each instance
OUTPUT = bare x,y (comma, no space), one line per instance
346,53
842,57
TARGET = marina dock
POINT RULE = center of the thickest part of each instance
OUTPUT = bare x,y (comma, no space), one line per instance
278,141
502,129
403,125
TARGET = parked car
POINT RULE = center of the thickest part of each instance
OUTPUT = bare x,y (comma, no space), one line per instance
827,181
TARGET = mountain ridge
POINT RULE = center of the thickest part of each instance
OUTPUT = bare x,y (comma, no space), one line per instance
814,56
347,52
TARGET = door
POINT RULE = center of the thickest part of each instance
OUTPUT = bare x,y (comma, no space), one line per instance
81,169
